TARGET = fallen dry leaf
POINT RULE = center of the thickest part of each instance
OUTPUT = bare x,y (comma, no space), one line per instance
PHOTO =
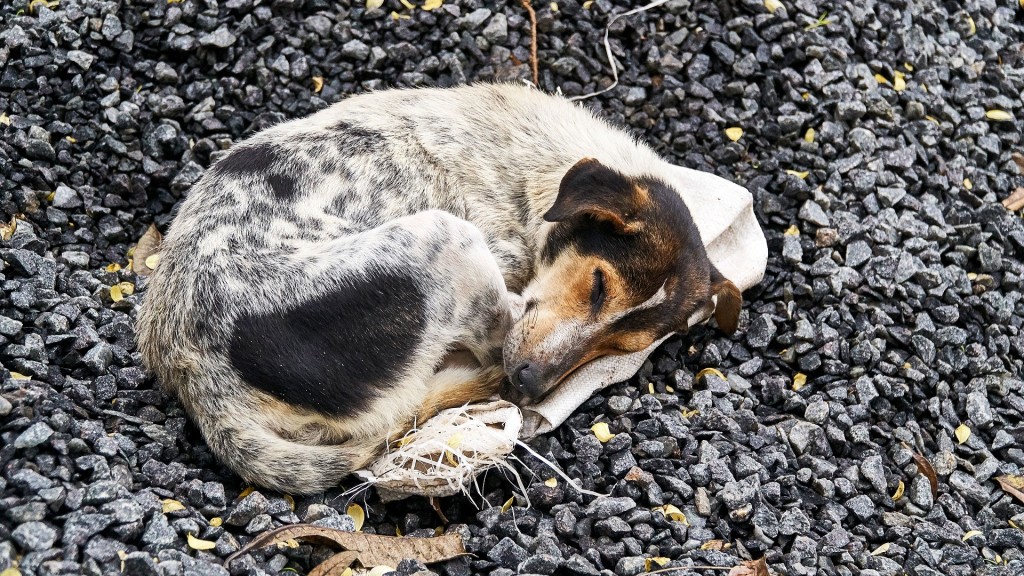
197,544
750,568
970,534
672,513
340,562
216,521
734,133
809,136
799,381
7,230
881,549
357,514
998,115
601,431
148,245
650,563
711,372
963,432
1018,159
432,5
718,545
370,549
168,505
925,467
792,231
1014,201
507,504
798,174
318,84
899,491
551,482
1012,485
772,5
371,4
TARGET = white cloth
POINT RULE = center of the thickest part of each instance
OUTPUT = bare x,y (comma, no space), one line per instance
724,214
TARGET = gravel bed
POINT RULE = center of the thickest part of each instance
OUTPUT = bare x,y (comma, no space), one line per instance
893,285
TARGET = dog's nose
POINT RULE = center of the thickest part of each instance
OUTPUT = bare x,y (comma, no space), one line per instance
525,376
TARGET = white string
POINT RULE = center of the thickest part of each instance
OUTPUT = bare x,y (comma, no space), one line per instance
608,47
558,470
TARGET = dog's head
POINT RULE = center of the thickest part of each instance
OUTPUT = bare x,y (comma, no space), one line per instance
622,266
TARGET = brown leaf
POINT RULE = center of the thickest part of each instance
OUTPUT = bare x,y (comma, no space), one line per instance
370,549
335,564
750,568
925,467
148,245
1014,201
1013,485
1018,158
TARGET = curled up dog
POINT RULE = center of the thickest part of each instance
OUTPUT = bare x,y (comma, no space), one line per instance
335,279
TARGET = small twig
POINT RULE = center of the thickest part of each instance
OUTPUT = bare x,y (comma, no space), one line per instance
436,505
528,5
689,568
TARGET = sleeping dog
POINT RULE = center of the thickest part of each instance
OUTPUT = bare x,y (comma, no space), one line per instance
332,280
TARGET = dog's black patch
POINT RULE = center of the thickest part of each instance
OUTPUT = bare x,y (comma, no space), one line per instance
353,139
283,186
333,353
247,160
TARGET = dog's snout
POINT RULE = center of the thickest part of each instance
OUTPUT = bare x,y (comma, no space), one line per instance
525,376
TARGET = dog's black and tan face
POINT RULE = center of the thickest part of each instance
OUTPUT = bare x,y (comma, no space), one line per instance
623,266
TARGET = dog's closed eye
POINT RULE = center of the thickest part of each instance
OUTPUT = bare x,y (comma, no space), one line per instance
597,292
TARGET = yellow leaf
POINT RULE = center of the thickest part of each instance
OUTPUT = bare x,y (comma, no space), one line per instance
152,261
650,563
216,521
650,387
970,534
554,7
900,488
432,5
380,571
670,389
398,531
805,95
318,84
7,230
792,231
709,372
690,413
290,501
508,504
881,79
963,432
169,505
372,4
397,16
799,381
968,184
19,376
589,3
407,4
51,196
715,545
734,133
551,482
12,571
197,544
439,531
601,431
5,119
357,514
972,29
908,66
998,115
671,512
772,5
932,118
115,293
71,139
115,267
1012,524
899,84
809,136
127,288
880,550
800,175
289,543
246,492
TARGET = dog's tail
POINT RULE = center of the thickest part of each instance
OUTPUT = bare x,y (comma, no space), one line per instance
245,440
262,457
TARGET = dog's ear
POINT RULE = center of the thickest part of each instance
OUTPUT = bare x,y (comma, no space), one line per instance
592,189
728,303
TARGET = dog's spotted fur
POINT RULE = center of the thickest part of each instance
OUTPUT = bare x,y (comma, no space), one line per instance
323,285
